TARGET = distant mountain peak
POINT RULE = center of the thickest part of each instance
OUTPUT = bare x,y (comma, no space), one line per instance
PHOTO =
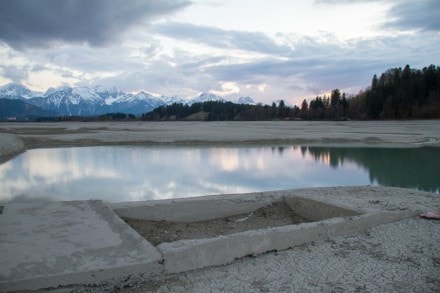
246,100
205,97
172,100
15,91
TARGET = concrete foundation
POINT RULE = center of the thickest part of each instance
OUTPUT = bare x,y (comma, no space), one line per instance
183,255
48,244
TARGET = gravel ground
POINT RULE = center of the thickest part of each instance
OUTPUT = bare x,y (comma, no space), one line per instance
381,133
379,260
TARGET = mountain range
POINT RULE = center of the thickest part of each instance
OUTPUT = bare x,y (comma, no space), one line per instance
84,101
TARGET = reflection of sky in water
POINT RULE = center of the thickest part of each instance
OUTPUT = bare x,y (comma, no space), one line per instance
142,173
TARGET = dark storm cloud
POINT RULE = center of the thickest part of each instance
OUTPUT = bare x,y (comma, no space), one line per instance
226,39
422,15
34,23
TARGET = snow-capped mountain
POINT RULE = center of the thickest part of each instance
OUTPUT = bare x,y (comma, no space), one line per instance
84,101
172,100
246,100
16,91
136,104
205,97
71,101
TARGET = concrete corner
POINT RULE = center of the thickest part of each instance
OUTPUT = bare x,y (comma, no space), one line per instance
48,244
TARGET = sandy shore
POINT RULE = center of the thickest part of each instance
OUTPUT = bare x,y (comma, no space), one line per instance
397,257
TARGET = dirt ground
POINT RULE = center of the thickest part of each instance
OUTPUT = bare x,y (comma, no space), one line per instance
276,214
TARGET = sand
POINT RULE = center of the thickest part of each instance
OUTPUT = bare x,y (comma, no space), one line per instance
276,214
397,257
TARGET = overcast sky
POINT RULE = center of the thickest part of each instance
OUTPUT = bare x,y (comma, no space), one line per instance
266,49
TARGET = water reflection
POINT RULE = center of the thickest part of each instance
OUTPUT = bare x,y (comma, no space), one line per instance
410,168
141,173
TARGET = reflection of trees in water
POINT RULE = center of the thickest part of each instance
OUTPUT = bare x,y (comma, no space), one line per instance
279,149
412,168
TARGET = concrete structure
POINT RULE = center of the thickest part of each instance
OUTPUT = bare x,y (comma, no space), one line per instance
184,255
48,244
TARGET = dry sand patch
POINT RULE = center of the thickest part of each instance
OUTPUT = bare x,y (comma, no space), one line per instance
273,215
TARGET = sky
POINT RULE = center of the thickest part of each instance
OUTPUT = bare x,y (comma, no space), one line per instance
266,49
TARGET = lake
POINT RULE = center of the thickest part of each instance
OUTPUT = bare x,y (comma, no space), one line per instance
133,173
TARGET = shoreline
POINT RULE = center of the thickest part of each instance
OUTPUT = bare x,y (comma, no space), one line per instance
16,138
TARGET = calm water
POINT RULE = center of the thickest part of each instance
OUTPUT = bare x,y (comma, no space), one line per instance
141,173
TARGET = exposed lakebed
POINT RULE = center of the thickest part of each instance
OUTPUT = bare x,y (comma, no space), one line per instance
133,173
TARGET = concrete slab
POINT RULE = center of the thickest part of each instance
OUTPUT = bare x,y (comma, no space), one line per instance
47,244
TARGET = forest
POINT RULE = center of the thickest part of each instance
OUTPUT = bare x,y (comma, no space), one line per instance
219,111
400,94
397,94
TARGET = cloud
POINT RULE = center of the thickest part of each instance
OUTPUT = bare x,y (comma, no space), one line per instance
403,14
342,2
319,67
219,38
227,88
420,15
30,23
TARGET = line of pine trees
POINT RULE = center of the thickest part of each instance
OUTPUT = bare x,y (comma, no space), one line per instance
397,94
400,94
334,107
219,111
